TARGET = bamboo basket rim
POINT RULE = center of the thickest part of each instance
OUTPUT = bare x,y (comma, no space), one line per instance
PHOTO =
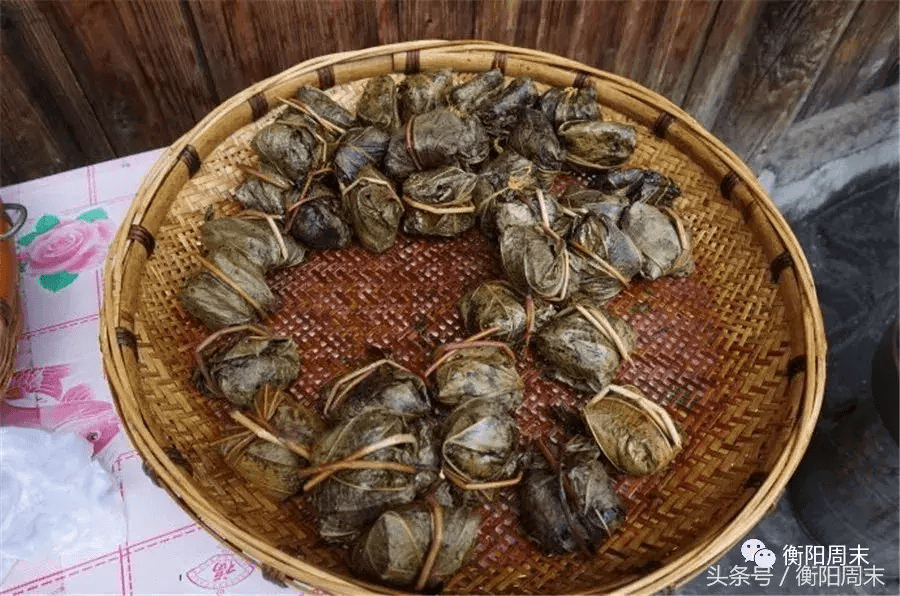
129,253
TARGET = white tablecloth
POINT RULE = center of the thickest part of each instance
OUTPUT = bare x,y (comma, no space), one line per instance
59,384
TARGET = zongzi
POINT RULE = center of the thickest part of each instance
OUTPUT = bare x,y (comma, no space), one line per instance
319,221
420,545
637,435
585,346
374,209
423,92
477,369
595,144
381,385
378,103
561,105
361,467
439,202
662,239
437,138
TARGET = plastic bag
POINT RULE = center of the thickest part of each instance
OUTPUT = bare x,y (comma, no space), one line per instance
54,499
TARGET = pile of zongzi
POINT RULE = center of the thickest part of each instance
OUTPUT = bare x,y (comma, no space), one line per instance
397,465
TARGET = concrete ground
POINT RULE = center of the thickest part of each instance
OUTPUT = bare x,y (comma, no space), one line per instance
851,242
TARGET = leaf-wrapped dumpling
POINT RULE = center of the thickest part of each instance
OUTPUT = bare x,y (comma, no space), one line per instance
357,148
534,138
322,107
594,144
395,549
503,180
637,435
264,190
639,185
605,256
275,444
319,222
347,499
378,103
536,260
439,202
423,92
561,105
478,370
497,305
481,443
228,290
240,372
500,110
291,147
585,346
442,137
384,384
467,96
269,467
260,241
374,209
585,200
662,239
569,504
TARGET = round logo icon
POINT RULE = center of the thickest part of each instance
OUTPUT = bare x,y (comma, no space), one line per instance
750,548
764,558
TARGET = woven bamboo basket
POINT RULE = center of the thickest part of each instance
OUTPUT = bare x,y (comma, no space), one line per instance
736,351
10,307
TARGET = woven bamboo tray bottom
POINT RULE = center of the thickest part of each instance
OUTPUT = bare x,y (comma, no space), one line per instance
712,348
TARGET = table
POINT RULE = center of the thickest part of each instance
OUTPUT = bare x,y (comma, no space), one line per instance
59,384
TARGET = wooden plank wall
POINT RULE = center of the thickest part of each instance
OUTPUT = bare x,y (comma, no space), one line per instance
83,81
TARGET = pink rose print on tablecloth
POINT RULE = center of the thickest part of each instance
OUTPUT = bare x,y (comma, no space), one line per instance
46,380
77,410
56,252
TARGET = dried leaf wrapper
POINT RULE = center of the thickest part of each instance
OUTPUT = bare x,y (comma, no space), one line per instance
480,371
378,103
582,354
264,190
394,550
374,209
561,105
466,96
324,108
239,373
439,202
269,467
639,185
348,500
442,137
381,385
595,144
536,261
291,146
481,441
423,92
605,257
635,434
569,504
260,241
357,148
227,290
535,138
319,222
500,110
496,305
662,239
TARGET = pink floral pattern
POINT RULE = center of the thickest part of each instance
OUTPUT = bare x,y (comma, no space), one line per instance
73,246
